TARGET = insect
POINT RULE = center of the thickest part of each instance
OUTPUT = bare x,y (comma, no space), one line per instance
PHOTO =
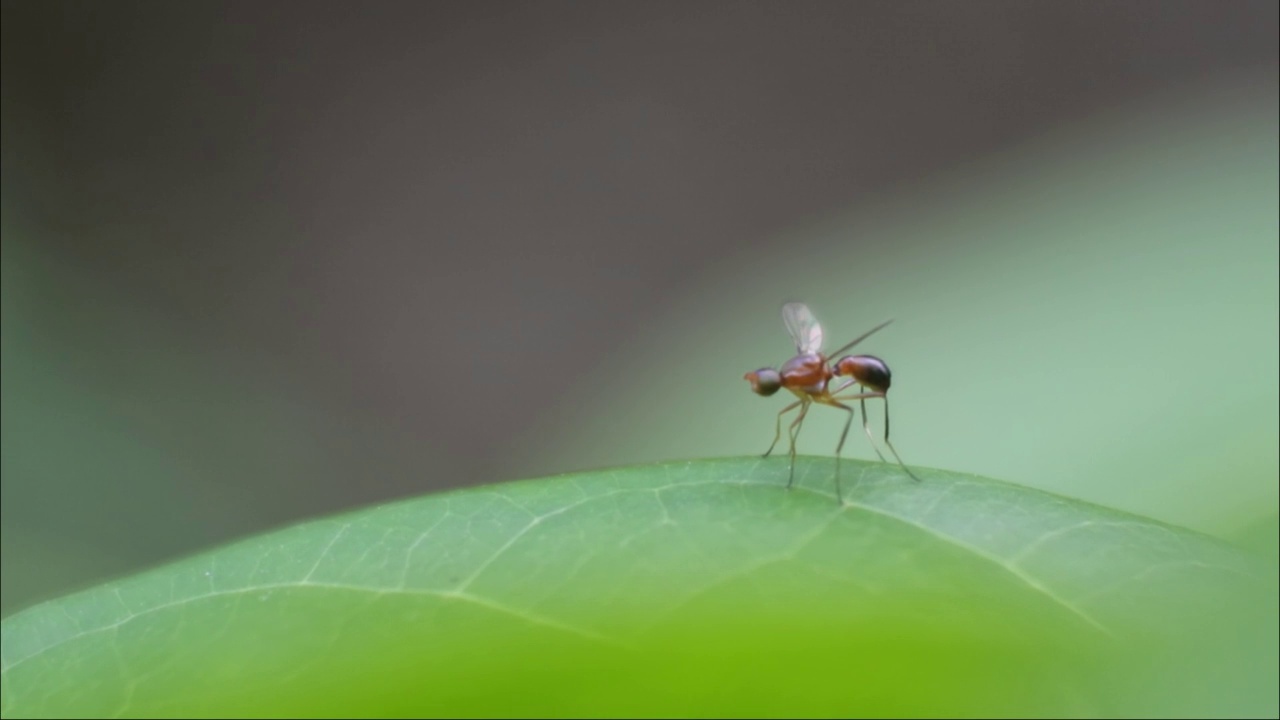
809,376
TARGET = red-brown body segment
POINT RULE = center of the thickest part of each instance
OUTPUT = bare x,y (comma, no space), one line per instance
806,374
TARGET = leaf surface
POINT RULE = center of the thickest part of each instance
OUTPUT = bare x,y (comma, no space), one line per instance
699,587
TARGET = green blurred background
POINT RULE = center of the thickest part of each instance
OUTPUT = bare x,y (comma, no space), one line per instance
267,261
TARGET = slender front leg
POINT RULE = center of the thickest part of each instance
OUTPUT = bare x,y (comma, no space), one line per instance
794,432
777,431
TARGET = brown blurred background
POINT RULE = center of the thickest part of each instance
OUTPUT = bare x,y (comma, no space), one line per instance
269,260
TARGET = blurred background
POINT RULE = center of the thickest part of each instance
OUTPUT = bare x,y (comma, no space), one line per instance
264,261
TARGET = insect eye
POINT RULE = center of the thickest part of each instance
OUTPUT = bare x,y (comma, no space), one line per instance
764,381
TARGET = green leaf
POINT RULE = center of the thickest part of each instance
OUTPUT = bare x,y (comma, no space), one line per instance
697,588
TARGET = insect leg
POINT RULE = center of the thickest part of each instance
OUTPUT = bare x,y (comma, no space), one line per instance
886,441
867,429
862,402
794,432
862,396
778,426
835,402
840,447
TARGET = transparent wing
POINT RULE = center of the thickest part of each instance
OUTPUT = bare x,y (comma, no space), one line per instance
804,328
